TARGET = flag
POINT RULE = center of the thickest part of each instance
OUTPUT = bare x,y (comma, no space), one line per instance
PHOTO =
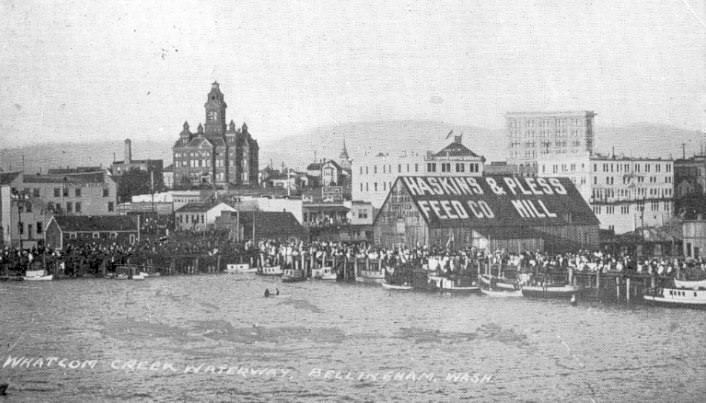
449,135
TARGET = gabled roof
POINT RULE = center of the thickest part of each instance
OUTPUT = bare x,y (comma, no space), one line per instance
95,223
495,201
201,207
273,224
456,149
332,162
8,177
314,166
198,141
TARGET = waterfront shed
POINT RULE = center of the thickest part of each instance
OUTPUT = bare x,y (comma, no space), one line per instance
62,230
489,212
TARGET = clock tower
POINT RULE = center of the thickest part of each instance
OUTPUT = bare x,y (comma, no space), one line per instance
215,112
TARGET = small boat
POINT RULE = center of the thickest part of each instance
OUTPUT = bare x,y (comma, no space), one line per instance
398,287
140,276
370,276
145,274
499,282
444,284
239,268
550,291
11,278
677,297
121,276
691,284
38,275
293,276
502,294
270,271
325,273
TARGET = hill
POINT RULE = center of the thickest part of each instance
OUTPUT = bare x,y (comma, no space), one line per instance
642,139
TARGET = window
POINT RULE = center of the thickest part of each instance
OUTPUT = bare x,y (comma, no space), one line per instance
57,192
77,191
110,206
460,167
375,169
39,228
65,192
431,167
399,168
96,235
78,207
416,167
69,207
35,192
72,235
21,227
375,186
446,167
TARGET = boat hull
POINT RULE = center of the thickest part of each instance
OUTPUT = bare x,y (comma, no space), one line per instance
502,294
271,271
397,287
678,298
503,285
239,269
39,278
550,292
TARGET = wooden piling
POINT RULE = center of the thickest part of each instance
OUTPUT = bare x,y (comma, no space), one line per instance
598,283
627,289
355,268
617,287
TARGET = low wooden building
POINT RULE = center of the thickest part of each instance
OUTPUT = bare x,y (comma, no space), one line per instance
489,212
280,225
62,230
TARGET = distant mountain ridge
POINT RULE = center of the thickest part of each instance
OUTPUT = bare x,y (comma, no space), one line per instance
640,139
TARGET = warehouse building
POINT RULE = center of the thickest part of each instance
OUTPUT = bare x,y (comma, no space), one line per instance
490,212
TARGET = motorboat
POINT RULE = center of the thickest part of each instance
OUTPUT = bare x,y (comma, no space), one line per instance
445,284
498,283
37,275
550,291
677,297
293,276
270,271
397,287
691,284
325,273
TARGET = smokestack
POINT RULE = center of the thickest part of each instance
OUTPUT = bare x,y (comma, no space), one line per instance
128,151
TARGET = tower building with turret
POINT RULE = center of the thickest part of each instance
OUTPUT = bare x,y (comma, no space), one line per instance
218,153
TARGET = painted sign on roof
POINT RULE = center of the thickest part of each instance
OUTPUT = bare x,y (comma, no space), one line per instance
497,200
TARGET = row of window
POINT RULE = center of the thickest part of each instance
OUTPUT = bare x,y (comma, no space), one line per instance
544,123
63,192
21,227
625,209
610,180
625,167
387,168
191,218
385,186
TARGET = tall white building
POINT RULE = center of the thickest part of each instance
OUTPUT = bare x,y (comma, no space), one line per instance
373,175
625,193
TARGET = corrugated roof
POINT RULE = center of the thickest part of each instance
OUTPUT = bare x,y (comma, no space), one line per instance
196,207
96,223
496,201
87,177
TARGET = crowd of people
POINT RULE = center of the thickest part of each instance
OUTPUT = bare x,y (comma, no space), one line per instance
92,256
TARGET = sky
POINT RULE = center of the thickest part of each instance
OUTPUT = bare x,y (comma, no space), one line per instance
86,70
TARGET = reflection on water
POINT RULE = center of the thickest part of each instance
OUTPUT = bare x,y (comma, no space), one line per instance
217,338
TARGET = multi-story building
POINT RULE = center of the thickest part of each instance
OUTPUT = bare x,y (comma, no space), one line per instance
536,135
625,193
374,175
216,153
28,201
690,186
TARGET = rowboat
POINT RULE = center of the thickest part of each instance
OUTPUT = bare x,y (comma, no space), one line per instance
397,287
240,268
550,291
444,284
140,276
694,285
270,271
503,294
677,297
370,276
121,276
38,275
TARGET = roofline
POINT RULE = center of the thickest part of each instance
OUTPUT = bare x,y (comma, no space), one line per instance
550,113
